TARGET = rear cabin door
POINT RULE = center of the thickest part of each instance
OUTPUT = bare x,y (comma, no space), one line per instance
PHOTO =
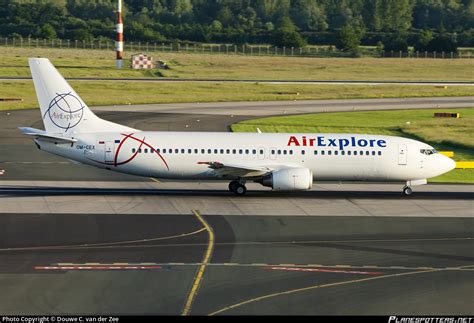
402,154
109,151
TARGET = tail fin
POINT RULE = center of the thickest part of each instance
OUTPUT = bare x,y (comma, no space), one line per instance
62,109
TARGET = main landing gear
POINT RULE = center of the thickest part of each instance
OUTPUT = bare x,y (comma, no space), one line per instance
238,187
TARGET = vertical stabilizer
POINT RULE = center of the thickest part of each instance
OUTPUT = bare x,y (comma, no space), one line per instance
62,109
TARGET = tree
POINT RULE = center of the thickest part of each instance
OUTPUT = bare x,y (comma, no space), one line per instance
82,34
47,32
424,38
396,43
442,43
348,39
286,35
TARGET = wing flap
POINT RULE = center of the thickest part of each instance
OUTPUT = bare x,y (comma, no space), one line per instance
228,170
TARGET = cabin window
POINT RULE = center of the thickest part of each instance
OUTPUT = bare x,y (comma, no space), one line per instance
323,152
329,152
216,151
190,151
336,152
362,153
349,153
222,151
279,152
343,152
284,152
227,151
254,151
234,151
203,151
133,150
355,153
273,152
247,151
315,152
367,153
291,152
209,151
176,151
241,151
380,153
261,152
303,152
373,153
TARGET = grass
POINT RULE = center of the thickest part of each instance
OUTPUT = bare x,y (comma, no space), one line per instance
443,134
110,93
100,63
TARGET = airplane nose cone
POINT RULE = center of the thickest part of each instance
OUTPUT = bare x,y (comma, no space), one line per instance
447,164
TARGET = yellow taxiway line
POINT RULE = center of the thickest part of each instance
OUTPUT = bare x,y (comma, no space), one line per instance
202,267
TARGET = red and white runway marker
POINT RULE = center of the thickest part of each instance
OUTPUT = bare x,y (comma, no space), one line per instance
324,270
99,267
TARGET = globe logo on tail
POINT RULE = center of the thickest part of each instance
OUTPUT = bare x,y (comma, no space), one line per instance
65,111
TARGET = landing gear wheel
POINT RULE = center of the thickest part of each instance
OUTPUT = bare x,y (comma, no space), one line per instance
237,188
240,189
407,190
233,186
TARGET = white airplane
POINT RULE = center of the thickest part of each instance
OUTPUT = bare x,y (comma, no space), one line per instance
282,161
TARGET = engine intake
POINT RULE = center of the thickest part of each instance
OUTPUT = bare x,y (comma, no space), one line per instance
289,179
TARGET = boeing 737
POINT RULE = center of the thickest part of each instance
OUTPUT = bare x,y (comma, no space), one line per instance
282,161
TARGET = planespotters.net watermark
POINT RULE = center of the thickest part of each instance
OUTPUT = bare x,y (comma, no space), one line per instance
428,319
59,319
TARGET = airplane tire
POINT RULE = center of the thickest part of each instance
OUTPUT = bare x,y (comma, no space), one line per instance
407,190
240,189
233,186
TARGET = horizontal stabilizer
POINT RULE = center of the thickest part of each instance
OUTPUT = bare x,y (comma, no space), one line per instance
43,135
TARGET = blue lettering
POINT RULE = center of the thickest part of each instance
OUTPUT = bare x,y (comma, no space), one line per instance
343,143
362,142
381,143
321,142
332,142
353,142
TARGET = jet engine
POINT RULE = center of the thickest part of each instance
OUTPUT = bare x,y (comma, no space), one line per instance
289,179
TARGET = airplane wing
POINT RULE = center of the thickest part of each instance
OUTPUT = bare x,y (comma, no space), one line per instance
43,135
229,170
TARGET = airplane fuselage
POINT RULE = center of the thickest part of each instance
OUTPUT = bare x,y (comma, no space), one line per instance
184,155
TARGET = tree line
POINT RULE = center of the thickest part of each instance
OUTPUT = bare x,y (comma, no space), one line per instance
428,25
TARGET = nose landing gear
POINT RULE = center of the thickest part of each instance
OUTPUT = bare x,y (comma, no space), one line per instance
238,187
407,190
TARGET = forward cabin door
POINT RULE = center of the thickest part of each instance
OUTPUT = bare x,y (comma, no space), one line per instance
402,154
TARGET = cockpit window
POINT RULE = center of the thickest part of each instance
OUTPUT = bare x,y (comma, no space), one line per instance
428,151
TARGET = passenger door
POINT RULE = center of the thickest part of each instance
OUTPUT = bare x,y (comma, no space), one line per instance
402,154
109,151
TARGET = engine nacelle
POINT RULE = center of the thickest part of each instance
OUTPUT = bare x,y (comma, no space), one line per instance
289,179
